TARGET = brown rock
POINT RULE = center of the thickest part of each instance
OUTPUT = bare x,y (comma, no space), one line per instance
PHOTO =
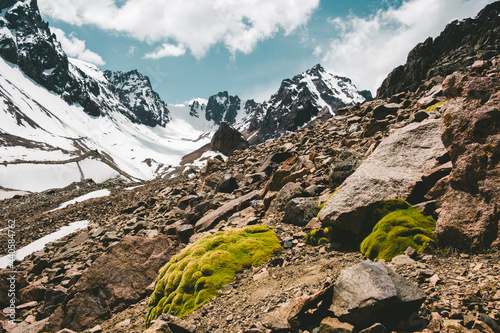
33,292
211,219
333,325
470,205
115,280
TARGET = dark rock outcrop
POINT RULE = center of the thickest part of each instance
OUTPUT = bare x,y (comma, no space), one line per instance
136,93
222,108
227,140
456,48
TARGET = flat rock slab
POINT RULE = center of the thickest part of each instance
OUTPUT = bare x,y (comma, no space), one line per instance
211,219
371,292
391,172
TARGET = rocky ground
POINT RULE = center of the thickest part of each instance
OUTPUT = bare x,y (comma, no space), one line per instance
105,274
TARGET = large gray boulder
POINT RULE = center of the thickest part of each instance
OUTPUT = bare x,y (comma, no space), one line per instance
371,292
392,171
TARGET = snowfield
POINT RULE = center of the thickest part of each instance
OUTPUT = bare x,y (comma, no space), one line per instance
47,143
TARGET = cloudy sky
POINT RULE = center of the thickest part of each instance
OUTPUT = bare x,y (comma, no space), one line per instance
196,48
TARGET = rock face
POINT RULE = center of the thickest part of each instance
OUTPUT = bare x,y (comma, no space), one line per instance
470,207
222,108
371,292
456,48
392,171
300,99
114,281
136,93
227,140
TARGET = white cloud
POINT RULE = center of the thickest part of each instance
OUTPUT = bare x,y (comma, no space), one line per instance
167,50
196,24
367,49
76,48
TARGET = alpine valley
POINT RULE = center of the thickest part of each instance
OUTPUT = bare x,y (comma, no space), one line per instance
322,209
64,120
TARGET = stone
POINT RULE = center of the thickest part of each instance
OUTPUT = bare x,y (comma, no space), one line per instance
184,232
403,260
272,160
392,171
382,111
315,223
299,211
96,329
333,325
123,323
287,193
452,326
375,328
174,324
227,184
227,139
435,279
212,218
33,292
371,292
20,282
469,207
118,278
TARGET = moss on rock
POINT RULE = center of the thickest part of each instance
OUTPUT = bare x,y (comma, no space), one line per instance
319,236
196,274
397,229
435,106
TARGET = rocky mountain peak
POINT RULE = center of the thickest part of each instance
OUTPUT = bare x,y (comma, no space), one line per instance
136,93
455,49
26,40
222,107
301,98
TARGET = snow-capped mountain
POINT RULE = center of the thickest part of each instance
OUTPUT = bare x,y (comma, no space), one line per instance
299,100
136,93
64,120
26,40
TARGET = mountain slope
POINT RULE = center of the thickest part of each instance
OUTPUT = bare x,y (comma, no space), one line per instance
455,49
46,143
26,40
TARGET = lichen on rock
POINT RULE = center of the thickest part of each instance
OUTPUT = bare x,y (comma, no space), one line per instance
397,230
196,274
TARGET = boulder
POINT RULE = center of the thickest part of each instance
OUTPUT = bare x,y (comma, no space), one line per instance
212,218
287,193
392,171
333,325
227,184
299,211
470,202
226,140
118,278
371,292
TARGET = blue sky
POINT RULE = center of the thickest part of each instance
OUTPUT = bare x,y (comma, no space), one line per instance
196,48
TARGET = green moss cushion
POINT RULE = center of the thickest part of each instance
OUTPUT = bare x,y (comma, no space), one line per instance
397,230
200,270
